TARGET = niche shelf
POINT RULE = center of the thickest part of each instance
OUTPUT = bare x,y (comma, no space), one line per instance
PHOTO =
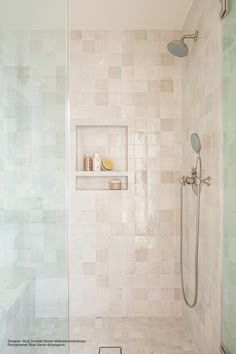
102,173
100,182
112,143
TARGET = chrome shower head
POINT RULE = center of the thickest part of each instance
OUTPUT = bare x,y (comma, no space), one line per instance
178,47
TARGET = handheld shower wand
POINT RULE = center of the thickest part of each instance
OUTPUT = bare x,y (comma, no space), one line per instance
196,181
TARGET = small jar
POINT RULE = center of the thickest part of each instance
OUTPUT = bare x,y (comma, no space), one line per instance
96,162
115,185
88,162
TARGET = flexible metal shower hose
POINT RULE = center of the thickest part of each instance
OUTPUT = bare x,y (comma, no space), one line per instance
186,300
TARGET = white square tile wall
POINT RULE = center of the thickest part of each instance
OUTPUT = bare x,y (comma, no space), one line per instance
124,254
201,114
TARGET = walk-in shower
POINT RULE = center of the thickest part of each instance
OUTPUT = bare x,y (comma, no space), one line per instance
178,47
121,256
196,181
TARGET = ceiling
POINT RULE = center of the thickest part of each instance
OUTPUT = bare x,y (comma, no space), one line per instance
95,14
128,14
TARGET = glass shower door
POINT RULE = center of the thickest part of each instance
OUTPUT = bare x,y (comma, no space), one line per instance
33,178
229,180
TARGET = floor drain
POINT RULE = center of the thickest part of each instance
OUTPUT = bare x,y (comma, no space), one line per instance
110,350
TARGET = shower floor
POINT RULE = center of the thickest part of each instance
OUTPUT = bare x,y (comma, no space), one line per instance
134,335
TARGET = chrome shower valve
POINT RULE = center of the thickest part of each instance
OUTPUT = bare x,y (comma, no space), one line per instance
191,180
194,181
188,180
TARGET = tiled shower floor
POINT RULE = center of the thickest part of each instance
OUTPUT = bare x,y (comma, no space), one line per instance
134,335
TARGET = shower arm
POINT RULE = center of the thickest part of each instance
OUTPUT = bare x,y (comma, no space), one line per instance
191,36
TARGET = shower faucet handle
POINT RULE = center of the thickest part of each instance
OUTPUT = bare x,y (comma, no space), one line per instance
182,180
207,181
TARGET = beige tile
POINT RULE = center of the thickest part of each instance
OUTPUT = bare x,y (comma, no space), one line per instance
115,72
140,35
167,86
76,35
101,99
127,59
167,125
167,59
167,177
88,46
101,85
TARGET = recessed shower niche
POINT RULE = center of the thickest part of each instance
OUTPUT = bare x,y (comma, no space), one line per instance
111,142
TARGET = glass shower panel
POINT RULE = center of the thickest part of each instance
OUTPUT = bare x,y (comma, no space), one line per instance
33,177
229,177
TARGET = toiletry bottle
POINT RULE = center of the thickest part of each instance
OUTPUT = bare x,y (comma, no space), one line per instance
88,162
96,162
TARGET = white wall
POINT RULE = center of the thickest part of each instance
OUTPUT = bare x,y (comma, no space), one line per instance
124,246
128,15
201,114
